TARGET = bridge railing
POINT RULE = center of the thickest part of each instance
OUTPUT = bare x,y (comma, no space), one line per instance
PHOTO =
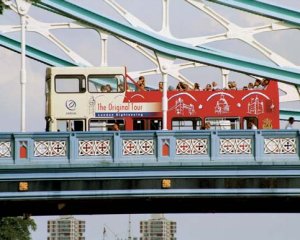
150,147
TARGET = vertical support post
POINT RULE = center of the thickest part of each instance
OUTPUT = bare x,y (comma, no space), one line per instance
225,75
23,8
117,147
104,38
72,151
165,101
214,146
23,74
258,146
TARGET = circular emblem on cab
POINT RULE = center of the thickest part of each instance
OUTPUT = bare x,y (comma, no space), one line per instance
71,105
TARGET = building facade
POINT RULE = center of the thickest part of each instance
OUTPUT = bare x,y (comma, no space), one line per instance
66,228
157,228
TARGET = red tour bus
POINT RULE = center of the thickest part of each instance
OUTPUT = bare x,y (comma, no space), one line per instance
94,98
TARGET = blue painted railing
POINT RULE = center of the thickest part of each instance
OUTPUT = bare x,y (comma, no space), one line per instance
171,171
142,148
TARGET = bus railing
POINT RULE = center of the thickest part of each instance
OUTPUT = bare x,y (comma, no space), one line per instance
136,148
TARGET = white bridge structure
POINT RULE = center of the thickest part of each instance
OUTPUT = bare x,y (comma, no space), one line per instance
190,41
153,171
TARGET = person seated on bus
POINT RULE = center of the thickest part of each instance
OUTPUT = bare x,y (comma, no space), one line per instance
161,86
108,88
290,123
250,86
232,85
120,87
252,124
208,87
171,88
257,84
103,88
197,87
265,83
141,84
206,126
180,86
214,86
116,127
186,87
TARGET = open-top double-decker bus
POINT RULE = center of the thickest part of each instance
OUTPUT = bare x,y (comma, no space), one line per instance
94,98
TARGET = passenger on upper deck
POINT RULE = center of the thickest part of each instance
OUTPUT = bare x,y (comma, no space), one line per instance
181,86
120,87
265,83
108,88
141,83
197,87
250,86
208,87
257,84
232,85
103,88
171,88
161,86
214,85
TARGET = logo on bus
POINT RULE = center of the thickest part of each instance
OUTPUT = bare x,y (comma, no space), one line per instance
71,105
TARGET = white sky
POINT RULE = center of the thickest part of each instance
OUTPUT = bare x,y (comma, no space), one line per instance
194,226
189,226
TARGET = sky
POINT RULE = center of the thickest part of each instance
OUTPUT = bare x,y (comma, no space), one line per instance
186,22
194,226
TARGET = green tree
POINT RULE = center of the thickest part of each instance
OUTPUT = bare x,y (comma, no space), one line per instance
2,6
16,228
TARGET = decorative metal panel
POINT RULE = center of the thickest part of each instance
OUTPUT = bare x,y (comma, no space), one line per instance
5,149
138,147
191,146
235,146
94,148
280,145
50,148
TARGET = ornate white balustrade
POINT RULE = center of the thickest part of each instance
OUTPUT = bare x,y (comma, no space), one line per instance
151,147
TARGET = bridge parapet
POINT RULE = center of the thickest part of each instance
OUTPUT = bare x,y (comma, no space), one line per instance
149,171
137,148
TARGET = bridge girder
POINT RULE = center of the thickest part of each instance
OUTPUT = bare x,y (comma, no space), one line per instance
165,189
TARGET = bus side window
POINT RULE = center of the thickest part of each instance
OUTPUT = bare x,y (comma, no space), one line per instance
106,83
105,124
247,122
78,125
138,124
70,125
186,124
155,124
227,123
